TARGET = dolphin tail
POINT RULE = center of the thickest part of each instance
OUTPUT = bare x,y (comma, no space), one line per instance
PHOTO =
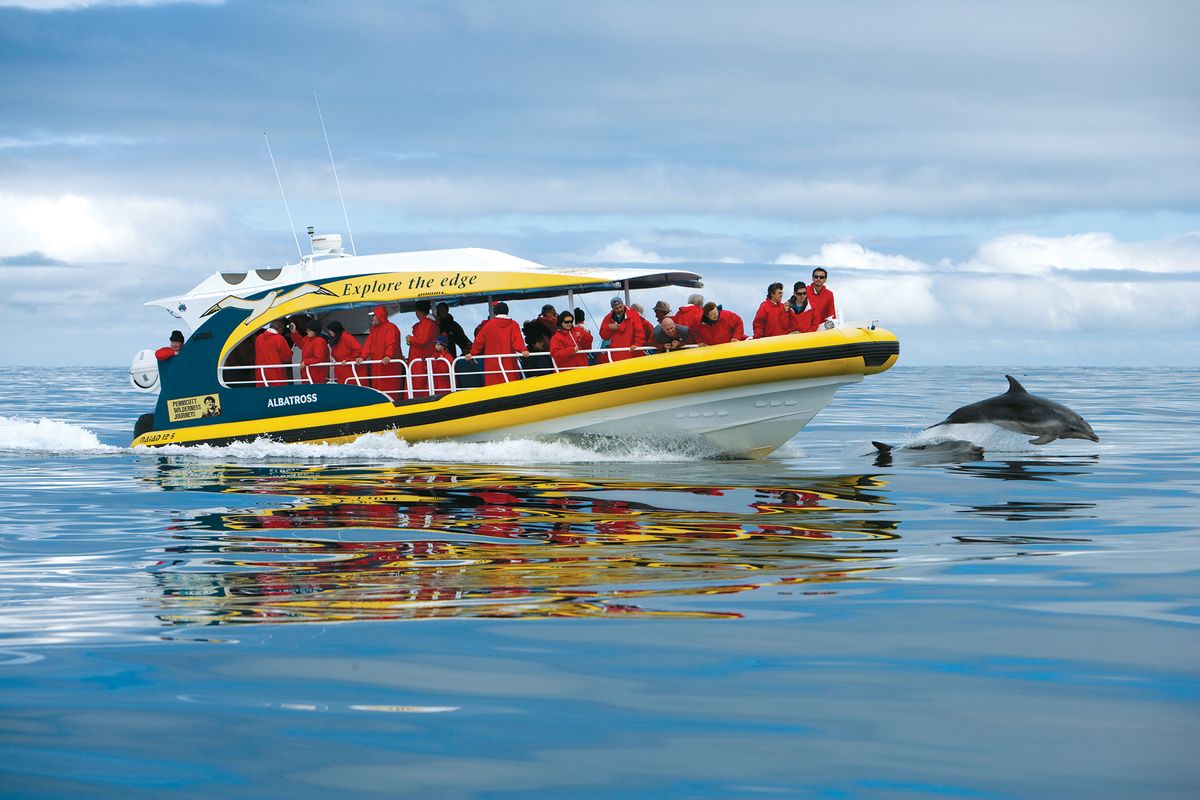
881,447
1014,386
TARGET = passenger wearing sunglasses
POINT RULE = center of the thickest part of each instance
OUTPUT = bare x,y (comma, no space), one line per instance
820,301
567,342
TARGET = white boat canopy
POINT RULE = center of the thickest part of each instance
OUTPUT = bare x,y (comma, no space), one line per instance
542,281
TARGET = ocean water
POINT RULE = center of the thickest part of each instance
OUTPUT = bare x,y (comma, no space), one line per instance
533,619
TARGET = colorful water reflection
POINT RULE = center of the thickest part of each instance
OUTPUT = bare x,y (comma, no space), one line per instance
342,543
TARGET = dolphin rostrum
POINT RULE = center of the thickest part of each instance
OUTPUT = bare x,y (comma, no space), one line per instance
1018,410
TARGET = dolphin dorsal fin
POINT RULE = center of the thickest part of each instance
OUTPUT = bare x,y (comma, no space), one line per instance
1014,386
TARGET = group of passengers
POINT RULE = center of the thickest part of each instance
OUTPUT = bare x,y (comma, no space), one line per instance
549,342
809,308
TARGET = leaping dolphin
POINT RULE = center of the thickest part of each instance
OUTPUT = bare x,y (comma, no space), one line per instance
1018,410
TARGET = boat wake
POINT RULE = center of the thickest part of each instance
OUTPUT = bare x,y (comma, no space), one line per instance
386,447
55,436
49,436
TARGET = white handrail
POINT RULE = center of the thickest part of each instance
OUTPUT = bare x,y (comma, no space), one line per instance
406,370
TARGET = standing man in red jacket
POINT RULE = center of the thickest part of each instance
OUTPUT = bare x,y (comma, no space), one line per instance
383,345
820,300
623,329
774,317
499,336
271,353
421,348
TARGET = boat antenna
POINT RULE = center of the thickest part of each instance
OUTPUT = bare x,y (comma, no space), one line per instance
321,117
281,192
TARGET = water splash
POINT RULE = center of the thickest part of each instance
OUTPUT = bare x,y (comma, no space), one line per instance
389,448
49,436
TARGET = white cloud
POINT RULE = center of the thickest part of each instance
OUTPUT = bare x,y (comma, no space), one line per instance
75,227
905,298
852,254
1022,282
1032,255
623,251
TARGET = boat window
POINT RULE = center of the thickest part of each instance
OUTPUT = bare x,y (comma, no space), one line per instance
233,278
237,371
268,274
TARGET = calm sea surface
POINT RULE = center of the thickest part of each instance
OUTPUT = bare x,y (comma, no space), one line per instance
527,619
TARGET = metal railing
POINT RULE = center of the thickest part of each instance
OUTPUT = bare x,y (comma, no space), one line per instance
422,377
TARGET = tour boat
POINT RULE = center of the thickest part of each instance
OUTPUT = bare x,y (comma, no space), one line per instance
741,400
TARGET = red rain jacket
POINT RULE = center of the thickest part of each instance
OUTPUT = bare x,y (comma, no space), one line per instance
726,328
772,319
565,347
499,335
629,333
688,316
346,349
383,341
821,307
315,351
271,348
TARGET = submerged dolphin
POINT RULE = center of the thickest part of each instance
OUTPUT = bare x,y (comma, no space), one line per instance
1018,410
950,448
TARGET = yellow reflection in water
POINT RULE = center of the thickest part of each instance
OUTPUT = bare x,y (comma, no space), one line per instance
349,543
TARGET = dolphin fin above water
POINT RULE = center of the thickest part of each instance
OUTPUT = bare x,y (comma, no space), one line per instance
1018,410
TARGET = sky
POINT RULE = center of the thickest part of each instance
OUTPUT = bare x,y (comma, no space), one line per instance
1010,184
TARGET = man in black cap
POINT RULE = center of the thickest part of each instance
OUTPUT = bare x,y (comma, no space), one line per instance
164,353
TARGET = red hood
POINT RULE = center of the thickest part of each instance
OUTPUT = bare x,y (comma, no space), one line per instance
380,314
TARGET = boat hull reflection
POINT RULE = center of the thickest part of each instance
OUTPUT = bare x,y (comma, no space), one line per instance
343,543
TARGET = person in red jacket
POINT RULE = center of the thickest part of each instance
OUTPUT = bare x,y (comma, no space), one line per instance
314,354
689,315
718,326
164,353
499,336
420,348
271,352
820,301
566,343
774,318
383,345
441,364
345,351
647,327
623,328
801,312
